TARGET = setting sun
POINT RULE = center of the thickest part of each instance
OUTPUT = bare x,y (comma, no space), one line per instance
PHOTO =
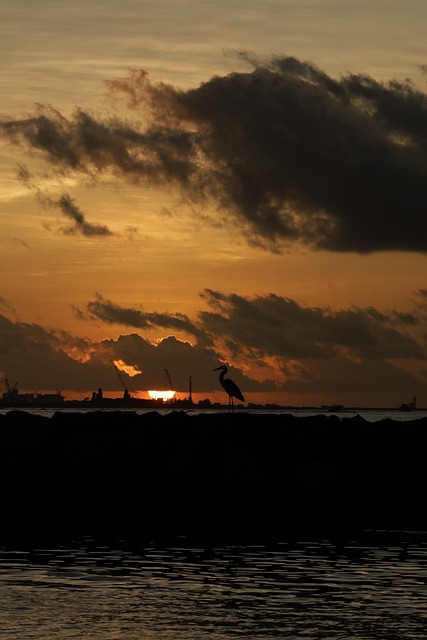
161,395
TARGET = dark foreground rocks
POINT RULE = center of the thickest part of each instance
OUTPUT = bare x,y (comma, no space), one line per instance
124,474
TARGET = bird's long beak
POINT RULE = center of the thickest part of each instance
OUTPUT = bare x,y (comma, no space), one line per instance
216,369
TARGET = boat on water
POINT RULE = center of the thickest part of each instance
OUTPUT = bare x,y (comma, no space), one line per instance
409,406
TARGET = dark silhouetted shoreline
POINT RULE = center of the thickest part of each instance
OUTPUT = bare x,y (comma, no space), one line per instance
123,474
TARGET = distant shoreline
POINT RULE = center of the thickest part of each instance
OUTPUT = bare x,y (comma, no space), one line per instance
137,403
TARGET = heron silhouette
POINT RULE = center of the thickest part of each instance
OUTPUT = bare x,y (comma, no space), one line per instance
229,386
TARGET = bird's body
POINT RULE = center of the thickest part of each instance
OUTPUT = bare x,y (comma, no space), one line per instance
229,386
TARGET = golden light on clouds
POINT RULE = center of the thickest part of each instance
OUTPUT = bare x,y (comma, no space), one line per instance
252,202
129,369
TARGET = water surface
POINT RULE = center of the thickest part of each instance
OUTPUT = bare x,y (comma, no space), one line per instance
367,588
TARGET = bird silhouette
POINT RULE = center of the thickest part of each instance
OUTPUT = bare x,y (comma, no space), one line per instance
229,386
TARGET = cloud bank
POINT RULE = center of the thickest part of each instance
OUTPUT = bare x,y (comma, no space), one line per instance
284,152
305,349
274,343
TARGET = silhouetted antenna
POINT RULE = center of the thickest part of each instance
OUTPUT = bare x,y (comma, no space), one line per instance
168,378
126,394
8,387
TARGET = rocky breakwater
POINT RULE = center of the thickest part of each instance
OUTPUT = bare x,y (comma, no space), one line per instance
123,474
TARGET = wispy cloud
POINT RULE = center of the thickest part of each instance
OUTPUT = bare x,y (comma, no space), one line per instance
80,224
67,206
5,306
20,242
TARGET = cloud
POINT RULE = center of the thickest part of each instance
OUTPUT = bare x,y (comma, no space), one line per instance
274,343
271,338
68,208
275,326
179,357
422,293
4,304
21,243
318,349
344,376
109,312
278,326
284,152
81,225
41,359
37,357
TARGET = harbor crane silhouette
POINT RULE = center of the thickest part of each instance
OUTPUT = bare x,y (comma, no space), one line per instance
229,386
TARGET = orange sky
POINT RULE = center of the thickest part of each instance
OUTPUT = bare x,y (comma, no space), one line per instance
146,239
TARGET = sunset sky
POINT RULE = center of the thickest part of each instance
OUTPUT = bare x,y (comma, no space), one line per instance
185,184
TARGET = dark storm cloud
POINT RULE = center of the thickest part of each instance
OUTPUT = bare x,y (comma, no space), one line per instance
285,152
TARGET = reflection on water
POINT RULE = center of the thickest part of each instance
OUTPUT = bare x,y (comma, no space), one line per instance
370,588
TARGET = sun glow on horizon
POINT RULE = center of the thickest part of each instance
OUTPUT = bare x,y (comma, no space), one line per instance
161,395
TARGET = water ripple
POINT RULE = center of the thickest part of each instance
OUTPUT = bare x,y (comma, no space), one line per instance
370,588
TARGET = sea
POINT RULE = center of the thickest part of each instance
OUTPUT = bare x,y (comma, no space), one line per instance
369,585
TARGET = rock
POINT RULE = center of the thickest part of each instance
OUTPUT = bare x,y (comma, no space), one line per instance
121,474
